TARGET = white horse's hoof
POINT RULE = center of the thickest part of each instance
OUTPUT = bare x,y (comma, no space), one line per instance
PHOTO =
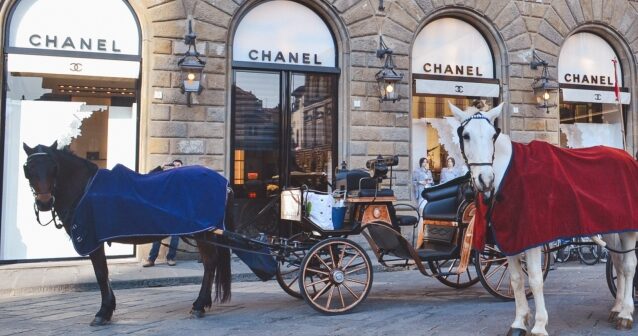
517,332
624,324
613,316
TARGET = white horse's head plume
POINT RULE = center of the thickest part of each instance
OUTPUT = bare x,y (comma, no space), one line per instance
477,136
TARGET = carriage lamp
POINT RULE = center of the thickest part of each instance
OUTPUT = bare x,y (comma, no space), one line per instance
387,78
543,86
191,67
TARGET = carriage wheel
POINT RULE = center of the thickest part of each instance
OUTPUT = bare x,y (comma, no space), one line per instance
611,276
288,271
492,267
467,279
589,254
336,275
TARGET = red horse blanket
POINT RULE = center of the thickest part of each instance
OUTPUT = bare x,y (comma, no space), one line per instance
550,193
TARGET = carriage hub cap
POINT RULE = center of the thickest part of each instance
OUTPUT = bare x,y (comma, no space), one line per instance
338,276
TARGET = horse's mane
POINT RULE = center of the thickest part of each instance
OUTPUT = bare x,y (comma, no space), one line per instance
67,153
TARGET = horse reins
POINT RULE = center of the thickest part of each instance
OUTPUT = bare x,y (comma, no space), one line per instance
54,214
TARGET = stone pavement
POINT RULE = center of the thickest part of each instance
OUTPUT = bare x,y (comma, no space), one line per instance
68,276
400,303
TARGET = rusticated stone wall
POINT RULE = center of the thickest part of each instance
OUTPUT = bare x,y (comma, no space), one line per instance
513,28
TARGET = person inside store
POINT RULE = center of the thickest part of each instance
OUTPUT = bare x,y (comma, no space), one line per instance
450,171
422,178
174,240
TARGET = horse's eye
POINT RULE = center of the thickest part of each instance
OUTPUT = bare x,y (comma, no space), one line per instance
466,137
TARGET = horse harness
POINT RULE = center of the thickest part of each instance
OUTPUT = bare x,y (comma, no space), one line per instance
30,159
459,131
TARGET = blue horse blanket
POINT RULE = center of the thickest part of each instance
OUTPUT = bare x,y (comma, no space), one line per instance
121,203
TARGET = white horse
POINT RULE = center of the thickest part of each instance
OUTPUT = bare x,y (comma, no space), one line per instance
488,154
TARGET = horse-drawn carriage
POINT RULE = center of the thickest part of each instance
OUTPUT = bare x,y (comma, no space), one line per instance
333,273
330,271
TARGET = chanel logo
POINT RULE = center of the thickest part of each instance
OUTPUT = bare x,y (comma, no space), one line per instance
458,88
76,67
597,96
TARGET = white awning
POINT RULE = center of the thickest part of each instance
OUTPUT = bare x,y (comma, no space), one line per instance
594,96
456,88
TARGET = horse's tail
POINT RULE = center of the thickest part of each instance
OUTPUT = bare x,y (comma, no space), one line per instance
222,275
222,269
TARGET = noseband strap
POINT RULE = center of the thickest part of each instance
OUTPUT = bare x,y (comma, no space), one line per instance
459,131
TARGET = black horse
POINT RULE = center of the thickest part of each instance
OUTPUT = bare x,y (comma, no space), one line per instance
58,179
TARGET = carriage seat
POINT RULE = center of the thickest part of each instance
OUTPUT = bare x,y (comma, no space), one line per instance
376,193
406,220
444,199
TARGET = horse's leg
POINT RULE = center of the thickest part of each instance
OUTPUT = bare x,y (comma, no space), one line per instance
625,317
204,299
103,316
517,279
535,273
613,241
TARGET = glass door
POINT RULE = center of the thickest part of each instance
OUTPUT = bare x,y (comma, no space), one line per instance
256,147
283,129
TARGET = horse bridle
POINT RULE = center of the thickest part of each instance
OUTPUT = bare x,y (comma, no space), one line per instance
459,131
30,158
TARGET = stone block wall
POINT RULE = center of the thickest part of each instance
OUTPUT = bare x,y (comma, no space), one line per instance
199,134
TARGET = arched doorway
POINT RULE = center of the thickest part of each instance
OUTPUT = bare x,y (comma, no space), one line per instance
284,106
71,76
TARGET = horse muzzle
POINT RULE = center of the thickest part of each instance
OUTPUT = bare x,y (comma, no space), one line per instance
44,202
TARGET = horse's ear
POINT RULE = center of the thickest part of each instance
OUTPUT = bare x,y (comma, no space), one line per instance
55,145
458,113
494,113
27,149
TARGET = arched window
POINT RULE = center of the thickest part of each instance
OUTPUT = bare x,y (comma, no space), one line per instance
590,114
72,75
451,61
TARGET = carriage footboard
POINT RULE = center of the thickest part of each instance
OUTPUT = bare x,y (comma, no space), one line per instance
385,241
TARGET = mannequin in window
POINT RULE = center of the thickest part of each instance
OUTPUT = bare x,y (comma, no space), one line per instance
421,178
450,171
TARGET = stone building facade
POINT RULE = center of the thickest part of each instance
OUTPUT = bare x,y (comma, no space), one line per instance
514,32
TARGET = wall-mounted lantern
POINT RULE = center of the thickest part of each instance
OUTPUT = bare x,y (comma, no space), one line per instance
387,77
191,67
544,87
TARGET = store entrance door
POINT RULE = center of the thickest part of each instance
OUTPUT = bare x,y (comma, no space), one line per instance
283,134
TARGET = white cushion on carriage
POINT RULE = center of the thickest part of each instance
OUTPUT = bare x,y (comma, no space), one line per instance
320,209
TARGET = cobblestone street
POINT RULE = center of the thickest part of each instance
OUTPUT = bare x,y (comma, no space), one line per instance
400,303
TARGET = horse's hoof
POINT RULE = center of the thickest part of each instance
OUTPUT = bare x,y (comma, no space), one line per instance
624,324
613,316
99,321
197,313
516,332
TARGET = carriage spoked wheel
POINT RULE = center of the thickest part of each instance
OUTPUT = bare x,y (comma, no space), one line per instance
492,268
288,271
611,276
459,281
336,275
